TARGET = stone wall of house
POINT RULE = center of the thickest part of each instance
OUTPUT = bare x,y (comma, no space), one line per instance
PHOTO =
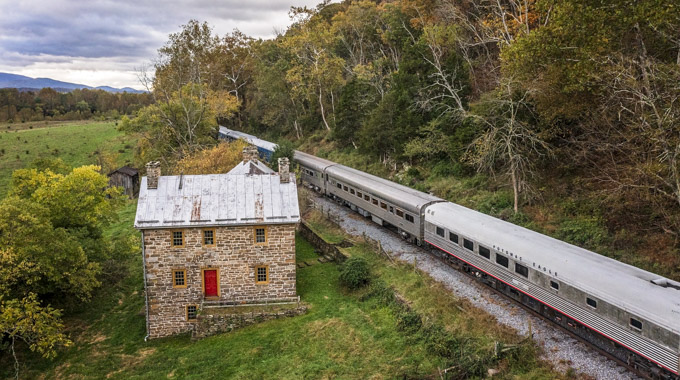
235,256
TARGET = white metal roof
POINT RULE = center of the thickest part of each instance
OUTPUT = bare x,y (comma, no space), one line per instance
251,167
217,200
618,283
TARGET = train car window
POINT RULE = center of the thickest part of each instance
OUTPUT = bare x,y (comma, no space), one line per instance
636,324
383,205
591,302
351,191
344,188
483,251
409,218
521,269
326,177
400,213
453,237
375,201
359,194
468,244
392,209
339,186
502,260
554,285
440,231
366,197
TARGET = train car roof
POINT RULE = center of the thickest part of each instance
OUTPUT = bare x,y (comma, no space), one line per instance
258,142
385,189
612,281
312,161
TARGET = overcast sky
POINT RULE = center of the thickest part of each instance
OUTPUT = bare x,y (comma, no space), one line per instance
102,42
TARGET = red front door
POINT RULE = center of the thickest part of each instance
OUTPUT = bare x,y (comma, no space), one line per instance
210,282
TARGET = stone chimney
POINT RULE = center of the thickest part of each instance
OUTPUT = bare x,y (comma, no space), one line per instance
250,153
284,170
153,172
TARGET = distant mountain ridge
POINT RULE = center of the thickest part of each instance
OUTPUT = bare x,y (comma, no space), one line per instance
21,82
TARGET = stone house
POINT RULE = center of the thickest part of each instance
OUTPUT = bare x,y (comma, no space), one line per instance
218,239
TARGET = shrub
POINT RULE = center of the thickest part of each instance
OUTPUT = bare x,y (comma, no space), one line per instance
379,291
354,273
409,321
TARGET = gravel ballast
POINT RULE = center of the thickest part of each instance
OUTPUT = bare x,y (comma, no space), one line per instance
559,348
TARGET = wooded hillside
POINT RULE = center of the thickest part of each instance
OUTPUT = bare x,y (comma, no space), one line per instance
569,107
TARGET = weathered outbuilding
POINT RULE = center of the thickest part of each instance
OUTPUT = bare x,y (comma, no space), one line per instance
127,178
214,239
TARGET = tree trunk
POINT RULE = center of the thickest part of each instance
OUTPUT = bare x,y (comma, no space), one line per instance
323,115
515,189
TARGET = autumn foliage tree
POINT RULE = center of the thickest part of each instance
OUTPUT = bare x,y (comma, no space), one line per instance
215,160
53,251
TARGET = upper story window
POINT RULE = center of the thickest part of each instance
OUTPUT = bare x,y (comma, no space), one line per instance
209,237
484,252
468,244
522,270
260,235
440,231
177,238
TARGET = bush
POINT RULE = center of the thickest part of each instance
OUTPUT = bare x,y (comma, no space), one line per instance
380,292
354,273
409,321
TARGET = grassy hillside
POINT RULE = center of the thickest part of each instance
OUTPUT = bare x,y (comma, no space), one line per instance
343,335
75,143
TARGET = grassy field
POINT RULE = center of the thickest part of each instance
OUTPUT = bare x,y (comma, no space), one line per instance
343,335
75,143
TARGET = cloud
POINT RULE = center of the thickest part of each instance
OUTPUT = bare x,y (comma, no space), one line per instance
101,38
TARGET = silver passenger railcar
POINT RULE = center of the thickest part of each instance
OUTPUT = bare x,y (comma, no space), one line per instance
312,170
626,311
386,202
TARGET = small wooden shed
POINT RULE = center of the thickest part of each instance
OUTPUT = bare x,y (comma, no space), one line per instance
127,178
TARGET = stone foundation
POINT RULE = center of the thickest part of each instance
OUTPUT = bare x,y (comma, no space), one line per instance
216,321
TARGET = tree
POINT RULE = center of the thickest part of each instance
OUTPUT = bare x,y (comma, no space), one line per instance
38,326
316,73
53,249
215,160
509,141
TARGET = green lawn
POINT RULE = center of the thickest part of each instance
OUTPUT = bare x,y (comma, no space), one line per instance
75,143
343,335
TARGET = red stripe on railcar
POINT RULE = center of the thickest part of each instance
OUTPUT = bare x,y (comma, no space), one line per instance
554,308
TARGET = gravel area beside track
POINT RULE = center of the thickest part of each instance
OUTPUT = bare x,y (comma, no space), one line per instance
562,350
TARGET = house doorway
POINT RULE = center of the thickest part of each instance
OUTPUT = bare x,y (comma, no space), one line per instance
210,283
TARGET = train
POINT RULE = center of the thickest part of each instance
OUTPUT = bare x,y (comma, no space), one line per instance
264,148
631,314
